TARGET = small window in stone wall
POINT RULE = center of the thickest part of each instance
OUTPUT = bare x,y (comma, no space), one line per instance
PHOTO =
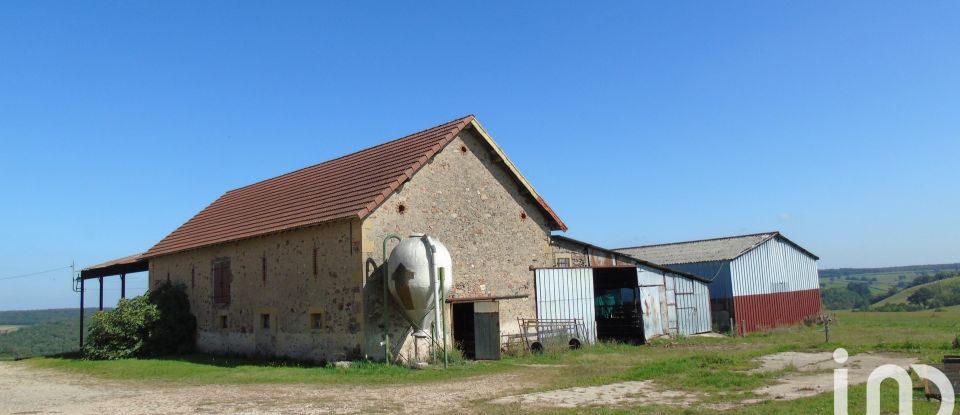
316,321
265,321
223,321
563,262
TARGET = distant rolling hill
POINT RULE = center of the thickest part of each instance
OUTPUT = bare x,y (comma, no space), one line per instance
881,280
938,287
845,288
901,270
40,332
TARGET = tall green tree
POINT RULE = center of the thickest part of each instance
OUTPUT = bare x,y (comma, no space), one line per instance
921,297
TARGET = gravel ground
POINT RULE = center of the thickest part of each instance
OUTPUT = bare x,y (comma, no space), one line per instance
814,376
28,390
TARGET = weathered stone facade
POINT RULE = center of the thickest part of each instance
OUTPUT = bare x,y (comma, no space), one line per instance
464,197
472,204
289,293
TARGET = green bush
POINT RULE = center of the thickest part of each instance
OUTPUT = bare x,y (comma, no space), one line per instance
176,330
897,307
122,332
155,324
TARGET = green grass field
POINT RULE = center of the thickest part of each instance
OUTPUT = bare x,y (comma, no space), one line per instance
713,365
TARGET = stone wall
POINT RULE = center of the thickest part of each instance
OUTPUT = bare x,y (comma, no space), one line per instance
576,254
289,293
581,255
470,203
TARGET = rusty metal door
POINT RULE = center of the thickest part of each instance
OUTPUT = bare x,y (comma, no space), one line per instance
486,326
650,301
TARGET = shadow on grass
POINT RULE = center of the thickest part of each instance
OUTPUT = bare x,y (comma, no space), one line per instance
231,361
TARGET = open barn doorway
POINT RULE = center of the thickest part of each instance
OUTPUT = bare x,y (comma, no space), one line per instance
464,334
619,312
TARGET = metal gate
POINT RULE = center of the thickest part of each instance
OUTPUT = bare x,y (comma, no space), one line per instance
693,306
567,293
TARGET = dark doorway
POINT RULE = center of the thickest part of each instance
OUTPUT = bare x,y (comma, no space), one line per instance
464,337
619,313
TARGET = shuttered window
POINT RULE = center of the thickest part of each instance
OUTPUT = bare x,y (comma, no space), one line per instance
221,281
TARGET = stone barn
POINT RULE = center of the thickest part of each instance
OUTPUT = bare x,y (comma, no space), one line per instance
290,266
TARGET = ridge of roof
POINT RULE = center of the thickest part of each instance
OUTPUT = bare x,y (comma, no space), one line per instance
371,148
770,235
349,186
726,248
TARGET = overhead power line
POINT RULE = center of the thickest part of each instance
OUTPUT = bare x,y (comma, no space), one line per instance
34,273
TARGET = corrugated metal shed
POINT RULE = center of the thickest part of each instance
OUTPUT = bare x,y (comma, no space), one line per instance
704,250
757,281
671,303
674,301
685,302
774,285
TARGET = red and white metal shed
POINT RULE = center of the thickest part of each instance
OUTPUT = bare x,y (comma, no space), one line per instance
757,281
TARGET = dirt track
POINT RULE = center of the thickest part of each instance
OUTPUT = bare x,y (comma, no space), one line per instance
26,390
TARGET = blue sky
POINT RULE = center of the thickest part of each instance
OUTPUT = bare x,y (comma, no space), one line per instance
834,122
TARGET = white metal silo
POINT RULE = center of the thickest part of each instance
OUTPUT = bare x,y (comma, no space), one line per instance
414,285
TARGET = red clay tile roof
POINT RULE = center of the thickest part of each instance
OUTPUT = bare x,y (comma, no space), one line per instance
350,186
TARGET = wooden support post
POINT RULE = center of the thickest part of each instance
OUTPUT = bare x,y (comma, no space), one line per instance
81,313
123,285
826,329
101,293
